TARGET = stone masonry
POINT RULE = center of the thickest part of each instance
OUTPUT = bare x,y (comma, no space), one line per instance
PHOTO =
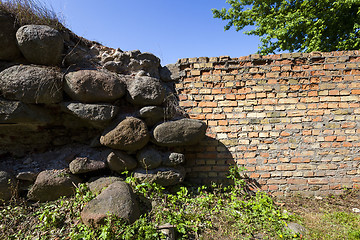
292,120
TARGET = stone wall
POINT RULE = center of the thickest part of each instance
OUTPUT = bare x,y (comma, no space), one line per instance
72,110
292,120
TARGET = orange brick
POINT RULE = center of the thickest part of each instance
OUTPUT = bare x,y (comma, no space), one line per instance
315,112
230,96
296,181
223,122
188,104
249,154
265,175
286,167
317,181
330,138
285,134
208,104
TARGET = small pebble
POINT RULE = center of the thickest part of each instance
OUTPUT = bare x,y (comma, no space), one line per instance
356,210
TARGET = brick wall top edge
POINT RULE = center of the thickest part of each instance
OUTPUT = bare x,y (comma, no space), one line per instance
280,56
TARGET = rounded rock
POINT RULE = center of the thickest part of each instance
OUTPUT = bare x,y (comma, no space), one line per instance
98,185
53,184
31,84
182,132
120,162
91,86
83,165
164,176
131,134
144,91
40,44
117,199
149,158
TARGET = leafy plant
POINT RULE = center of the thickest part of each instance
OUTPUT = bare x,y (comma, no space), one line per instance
296,25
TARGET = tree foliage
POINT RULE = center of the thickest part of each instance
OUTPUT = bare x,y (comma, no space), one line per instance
297,25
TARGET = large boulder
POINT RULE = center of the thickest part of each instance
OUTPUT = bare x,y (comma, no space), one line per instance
83,165
40,44
164,176
118,199
31,84
53,184
145,90
91,86
182,132
131,134
8,47
7,186
149,158
18,112
96,186
119,161
97,115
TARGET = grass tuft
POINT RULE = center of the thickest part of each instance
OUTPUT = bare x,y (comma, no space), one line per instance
31,12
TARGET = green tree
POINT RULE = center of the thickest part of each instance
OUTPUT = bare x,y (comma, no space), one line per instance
297,25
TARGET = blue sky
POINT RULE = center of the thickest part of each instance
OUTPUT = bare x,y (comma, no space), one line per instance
169,29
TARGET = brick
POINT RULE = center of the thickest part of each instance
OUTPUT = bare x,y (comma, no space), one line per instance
208,104
317,181
288,100
296,181
327,166
287,167
227,104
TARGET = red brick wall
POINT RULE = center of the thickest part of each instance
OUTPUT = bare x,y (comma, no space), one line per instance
292,120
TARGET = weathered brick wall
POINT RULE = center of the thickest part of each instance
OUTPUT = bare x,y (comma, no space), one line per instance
293,120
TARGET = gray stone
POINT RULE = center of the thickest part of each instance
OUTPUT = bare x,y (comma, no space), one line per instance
171,159
53,184
8,47
168,230
7,186
152,114
79,55
145,91
171,72
182,132
296,228
117,199
120,162
83,165
18,112
149,158
40,44
91,86
27,176
165,176
149,63
131,134
96,186
31,84
95,114
113,67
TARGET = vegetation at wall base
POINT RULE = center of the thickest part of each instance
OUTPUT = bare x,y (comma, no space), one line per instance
213,212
